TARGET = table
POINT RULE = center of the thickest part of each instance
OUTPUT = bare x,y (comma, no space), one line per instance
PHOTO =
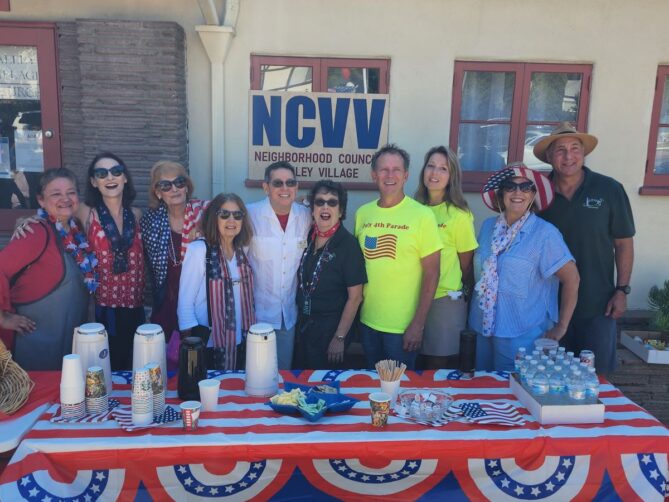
245,450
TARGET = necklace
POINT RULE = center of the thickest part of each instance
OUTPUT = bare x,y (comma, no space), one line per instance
173,252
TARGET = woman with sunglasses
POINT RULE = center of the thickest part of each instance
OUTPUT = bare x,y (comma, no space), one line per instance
113,230
523,261
170,223
330,278
216,287
440,188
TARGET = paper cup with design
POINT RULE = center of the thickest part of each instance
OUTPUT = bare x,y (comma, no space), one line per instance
95,382
190,414
380,404
391,388
209,393
157,388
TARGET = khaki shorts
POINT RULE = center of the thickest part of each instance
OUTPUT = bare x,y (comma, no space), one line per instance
445,320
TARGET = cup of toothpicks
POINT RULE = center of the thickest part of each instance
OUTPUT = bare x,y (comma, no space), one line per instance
390,373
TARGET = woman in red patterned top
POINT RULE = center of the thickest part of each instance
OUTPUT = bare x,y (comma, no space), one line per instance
113,230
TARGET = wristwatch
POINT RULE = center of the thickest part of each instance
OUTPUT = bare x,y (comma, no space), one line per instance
340,337
625,289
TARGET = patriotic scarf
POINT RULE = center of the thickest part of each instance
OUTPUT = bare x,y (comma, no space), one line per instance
222,301
155,226
74,241
502,237
120,244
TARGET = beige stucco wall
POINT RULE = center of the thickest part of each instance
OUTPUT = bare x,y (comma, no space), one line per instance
625,41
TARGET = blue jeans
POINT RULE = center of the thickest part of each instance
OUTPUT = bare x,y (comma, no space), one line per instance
598,334
379,345
494,353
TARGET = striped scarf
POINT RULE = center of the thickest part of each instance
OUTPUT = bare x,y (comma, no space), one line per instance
222,301
155,225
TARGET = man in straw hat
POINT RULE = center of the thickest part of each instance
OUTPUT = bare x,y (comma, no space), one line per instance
594,215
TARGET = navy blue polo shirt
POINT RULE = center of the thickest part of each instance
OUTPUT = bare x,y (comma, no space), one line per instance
598,213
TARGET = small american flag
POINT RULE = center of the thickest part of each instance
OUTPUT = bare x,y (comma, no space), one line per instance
91,418
492,413
383,246
123,416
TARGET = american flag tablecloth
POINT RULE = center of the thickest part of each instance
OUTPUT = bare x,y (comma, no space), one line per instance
245,450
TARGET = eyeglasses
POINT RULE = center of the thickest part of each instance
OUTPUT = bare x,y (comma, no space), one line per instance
224,214
525,186
290,183
101,173
166,185
329,202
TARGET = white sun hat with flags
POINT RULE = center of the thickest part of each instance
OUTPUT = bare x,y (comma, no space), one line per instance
544,195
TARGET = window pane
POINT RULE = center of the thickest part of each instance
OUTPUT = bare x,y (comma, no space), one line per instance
533,135
487,95
664,113
359,80
21,153
483,147
286,78
554,97
662,152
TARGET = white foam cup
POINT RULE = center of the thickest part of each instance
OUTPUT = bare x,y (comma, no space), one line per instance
72,374
391,388
209,393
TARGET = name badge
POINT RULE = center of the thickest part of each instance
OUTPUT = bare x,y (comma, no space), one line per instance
302,244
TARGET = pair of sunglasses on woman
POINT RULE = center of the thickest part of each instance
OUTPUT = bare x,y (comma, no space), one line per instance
166,185
511,186
101,172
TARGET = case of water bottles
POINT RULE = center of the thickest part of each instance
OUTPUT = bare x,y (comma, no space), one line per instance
558,387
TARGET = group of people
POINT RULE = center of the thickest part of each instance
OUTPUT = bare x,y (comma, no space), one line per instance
555,262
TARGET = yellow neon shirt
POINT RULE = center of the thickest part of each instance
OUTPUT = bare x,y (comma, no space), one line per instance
456,229
393,241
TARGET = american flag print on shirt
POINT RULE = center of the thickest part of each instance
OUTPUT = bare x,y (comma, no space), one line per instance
383,246
492,413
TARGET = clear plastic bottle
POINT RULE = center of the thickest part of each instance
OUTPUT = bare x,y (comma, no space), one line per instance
524,366
536,354
540,381
520,356
556,380
552,354
531,371
576,386
561,350
591,383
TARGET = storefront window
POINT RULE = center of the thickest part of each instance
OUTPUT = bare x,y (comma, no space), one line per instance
501,110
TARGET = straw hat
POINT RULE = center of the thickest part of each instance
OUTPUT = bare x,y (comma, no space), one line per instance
564,130
545,192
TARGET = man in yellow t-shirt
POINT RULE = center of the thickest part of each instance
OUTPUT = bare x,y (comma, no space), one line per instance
400,241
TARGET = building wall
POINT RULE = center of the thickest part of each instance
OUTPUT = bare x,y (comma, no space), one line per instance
624,41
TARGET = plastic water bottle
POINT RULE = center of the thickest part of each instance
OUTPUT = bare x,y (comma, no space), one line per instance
540,381
576,386
591,383
524,366
556,381
553,354
561,350
531,371
520,357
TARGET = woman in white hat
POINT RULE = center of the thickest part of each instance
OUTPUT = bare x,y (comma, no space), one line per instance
523,260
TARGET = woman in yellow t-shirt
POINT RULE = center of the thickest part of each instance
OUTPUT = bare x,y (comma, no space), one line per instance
440,188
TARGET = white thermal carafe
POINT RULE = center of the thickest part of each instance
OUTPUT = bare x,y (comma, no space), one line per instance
149,347
90,341
262,369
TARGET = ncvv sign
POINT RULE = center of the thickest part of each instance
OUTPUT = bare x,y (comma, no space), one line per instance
324,135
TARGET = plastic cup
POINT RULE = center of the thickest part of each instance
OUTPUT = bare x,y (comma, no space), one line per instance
209,393
545,345
190,414
380,404
72,374
391,388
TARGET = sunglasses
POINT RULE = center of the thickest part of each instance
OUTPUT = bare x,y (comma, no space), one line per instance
224,214
101,173
290,183
525,186
166,185
329,202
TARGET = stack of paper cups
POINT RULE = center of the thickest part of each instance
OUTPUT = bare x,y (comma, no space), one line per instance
72,401
96,391
141,398
157,388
